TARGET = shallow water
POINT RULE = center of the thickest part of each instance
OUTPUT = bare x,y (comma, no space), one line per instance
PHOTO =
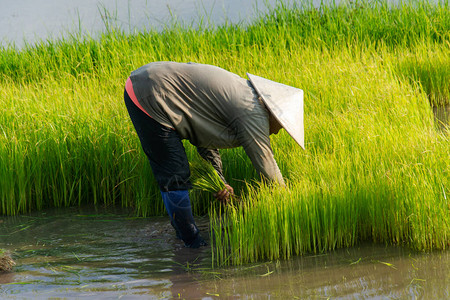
80,253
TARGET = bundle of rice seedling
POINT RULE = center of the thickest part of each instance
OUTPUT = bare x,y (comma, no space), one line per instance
6,262
205,178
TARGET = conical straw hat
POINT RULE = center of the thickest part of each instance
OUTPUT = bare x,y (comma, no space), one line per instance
284,102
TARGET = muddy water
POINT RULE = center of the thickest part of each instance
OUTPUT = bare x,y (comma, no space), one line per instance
79,253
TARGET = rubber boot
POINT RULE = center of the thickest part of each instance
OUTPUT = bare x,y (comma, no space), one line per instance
178,206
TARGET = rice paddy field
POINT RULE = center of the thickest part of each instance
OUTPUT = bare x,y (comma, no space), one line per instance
376,165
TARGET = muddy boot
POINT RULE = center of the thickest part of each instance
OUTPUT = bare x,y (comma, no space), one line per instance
178,206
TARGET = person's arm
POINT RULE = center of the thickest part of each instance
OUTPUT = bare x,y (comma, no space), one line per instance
254,138
261,155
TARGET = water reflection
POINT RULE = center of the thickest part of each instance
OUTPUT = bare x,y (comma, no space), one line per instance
79,253
368,271
75,253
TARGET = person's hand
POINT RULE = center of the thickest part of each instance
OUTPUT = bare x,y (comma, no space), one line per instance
225,194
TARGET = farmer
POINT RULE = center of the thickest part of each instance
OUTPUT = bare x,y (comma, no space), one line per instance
213,109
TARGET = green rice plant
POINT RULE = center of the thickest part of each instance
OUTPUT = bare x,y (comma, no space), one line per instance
429,68
205,178
374,169
206,183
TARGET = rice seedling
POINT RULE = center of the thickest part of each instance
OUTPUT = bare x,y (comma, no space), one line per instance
6,262
375,167
430,69
205,178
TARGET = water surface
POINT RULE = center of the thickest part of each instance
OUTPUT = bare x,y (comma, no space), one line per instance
83,253
31,21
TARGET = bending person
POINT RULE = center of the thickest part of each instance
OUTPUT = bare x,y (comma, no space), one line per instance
213,109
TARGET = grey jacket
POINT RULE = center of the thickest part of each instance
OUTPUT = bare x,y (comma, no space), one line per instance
210,107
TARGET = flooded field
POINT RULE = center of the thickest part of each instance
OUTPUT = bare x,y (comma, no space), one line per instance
82,253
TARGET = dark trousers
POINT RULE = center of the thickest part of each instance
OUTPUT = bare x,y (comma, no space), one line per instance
164,150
